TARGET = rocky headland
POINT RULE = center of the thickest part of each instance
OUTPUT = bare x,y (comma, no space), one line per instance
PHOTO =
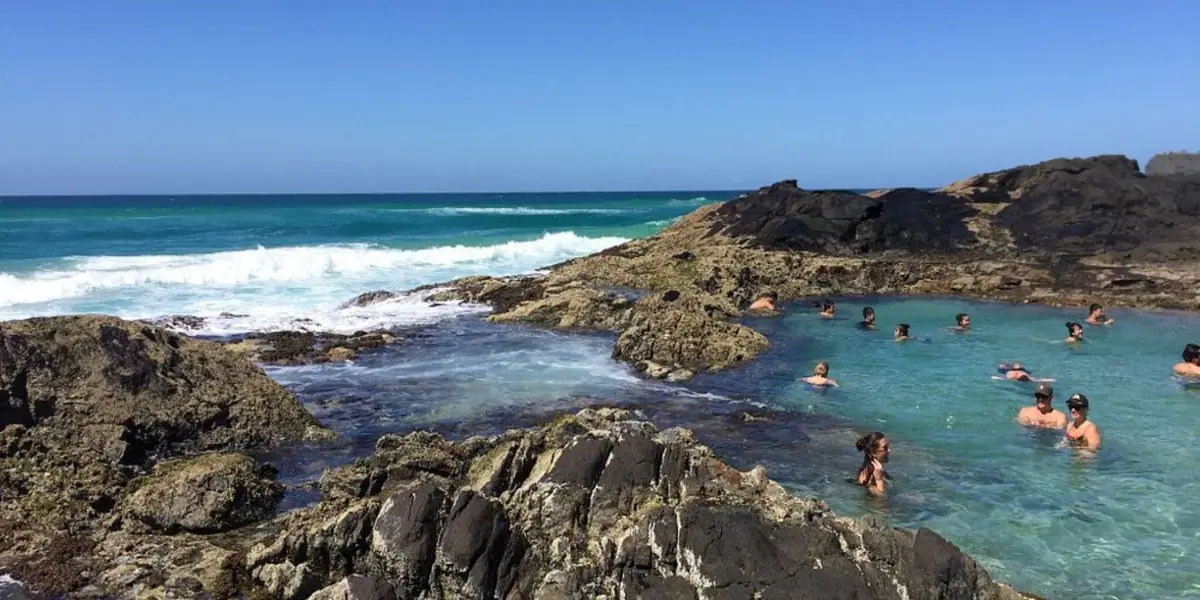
1065,232
123,473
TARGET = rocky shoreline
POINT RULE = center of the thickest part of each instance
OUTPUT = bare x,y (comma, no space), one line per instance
1066,232
118,490
123,445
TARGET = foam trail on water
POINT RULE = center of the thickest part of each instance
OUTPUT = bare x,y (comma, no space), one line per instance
276,287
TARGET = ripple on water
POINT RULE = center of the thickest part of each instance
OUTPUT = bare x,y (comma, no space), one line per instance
1120,524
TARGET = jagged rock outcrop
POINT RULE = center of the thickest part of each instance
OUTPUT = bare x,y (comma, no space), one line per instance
1173,163
206,494
308,348
592,505
1065,231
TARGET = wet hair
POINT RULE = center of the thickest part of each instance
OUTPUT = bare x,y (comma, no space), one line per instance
1071,325
1077,402
959,317
868,311
828,305
868,445
903,327
820,364
773,296
1095,307
1191,352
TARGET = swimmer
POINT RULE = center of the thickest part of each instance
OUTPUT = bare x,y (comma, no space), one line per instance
962,322
820,376
828,310
901,332
1081,431
1042,414
1190,367
765,303
876,449
868,321
1016,372
1074,332
1096,316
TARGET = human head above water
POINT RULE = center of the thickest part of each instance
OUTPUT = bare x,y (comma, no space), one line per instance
772,296
1094,309
829,306
874,445
1074,329
1191,353
869,314
902,329
963,319
821,369
1078,404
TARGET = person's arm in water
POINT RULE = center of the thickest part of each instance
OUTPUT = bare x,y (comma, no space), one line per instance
829,381
1091,436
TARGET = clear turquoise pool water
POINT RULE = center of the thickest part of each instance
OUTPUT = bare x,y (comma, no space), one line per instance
1123,523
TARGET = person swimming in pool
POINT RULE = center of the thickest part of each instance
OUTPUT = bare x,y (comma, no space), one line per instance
1042,413
1074,332
1096,316
828,310
876,449
765,304
901,332
1081,431
868,321
820,376
962,322
1190,367
1016,372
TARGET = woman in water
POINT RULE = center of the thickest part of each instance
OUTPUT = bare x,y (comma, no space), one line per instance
901,332
1074,333
871,474
1080,430
820,376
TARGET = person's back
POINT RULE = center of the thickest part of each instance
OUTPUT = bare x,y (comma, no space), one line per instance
764,304
1190,367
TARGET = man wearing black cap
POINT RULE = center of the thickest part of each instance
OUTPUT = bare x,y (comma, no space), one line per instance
1042,414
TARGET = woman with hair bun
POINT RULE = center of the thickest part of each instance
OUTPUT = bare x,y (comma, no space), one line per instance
875,449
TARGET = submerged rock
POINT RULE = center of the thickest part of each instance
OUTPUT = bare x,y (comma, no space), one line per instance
206,494
307,348
590,505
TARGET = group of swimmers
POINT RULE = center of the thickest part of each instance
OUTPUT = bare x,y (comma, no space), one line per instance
1078,429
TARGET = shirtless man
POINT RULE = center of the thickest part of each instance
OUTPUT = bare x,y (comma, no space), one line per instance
962,322
1096,316
765,304
868,321
1190,367
1042,414
1016,372
828,310
1081,431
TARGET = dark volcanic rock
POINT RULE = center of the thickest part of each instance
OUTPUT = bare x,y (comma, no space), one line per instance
784,217
594,505
307,348
1173,163
206,494
1094,206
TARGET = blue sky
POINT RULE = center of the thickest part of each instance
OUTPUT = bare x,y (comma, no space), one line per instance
319,96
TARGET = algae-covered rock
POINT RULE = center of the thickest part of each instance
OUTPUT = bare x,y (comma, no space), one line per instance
206,494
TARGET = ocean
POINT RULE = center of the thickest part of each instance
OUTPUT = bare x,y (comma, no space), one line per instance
1118,524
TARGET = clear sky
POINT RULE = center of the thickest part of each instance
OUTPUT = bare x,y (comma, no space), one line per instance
143,96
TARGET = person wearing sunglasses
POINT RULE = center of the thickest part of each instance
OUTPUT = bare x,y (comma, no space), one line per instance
1042,413
1081,431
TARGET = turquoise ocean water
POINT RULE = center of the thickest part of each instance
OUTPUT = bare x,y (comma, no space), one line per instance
1123,523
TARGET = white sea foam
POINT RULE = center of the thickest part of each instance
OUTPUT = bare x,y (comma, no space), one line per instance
275,286
525,210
